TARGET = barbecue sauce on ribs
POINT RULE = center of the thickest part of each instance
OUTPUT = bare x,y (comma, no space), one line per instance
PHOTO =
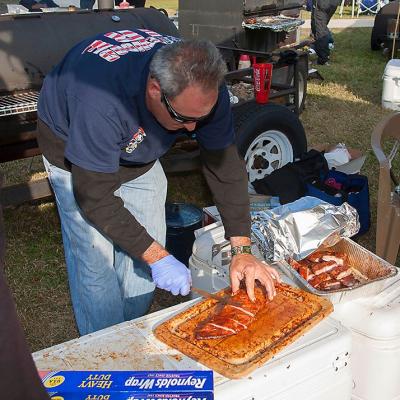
231,319
326,270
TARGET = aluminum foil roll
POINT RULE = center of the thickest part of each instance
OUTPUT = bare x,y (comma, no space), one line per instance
297,229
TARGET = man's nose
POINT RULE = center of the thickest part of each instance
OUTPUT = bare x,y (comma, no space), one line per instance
190,126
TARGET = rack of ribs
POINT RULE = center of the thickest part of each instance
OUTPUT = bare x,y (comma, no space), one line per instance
231,319
326,270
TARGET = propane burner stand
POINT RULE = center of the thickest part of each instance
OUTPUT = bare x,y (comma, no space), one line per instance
223,21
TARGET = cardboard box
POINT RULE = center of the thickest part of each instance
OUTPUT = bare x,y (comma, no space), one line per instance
353,166
134,382
132,396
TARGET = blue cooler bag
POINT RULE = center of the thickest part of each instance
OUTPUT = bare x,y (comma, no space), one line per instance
354,191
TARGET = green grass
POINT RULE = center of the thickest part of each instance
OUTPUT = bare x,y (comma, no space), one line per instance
344,107
349,99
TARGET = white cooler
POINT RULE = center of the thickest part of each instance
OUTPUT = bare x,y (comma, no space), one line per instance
375,326
315,367
373,321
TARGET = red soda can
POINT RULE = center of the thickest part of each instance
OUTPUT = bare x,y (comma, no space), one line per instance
262,76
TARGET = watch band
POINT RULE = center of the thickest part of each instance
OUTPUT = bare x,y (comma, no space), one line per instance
240,250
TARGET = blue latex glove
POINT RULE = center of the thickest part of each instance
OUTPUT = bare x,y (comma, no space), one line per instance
170,274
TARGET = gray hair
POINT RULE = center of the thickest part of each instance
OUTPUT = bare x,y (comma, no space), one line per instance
180,64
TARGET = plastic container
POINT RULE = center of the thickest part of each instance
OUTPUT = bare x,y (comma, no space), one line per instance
211,257
363,261
391,85
182,220
375,326
244,61
314,367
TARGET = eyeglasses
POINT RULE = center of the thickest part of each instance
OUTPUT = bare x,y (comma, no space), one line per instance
179,117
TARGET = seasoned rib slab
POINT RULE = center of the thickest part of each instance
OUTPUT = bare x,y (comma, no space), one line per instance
326,270
231,319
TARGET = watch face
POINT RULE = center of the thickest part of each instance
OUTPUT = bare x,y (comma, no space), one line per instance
241,250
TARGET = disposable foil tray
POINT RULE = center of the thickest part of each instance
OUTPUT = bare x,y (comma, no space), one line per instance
369,268
276,23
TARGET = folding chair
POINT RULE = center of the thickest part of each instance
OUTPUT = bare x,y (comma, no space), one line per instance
388,215
342,4
369,6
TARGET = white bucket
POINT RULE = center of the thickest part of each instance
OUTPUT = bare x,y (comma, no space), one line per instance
391,85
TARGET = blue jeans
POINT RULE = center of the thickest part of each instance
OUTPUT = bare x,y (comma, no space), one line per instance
107,285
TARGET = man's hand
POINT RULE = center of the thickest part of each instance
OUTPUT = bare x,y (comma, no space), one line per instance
170,274
249,268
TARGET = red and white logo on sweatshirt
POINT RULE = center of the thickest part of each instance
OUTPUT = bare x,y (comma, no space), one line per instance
137,138
128,42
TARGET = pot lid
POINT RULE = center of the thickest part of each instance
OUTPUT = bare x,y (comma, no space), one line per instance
182,215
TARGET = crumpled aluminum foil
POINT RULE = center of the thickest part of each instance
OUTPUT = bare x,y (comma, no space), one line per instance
277,23
297,229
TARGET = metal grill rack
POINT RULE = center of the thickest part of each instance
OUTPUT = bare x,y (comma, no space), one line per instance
18,103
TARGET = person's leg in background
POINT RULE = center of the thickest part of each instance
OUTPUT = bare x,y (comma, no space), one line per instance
94,287
323,13
313,5
331,40
145,198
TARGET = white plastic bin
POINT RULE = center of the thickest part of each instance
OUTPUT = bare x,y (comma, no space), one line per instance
391,85
375,326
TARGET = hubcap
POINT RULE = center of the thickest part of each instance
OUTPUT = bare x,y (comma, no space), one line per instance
269,151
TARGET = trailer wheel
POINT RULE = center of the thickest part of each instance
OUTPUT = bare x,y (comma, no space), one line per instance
302,72
268,137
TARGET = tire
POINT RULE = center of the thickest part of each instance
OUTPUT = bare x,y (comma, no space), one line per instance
268,137
302,72
285,75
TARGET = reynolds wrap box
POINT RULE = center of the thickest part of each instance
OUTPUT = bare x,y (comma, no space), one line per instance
133,396
136,383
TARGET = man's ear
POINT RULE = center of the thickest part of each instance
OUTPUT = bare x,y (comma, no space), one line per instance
153,89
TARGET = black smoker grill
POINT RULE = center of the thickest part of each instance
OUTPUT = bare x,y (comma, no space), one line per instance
30,45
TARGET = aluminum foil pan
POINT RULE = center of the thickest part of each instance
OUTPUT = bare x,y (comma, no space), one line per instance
371,270
297,229
277,23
